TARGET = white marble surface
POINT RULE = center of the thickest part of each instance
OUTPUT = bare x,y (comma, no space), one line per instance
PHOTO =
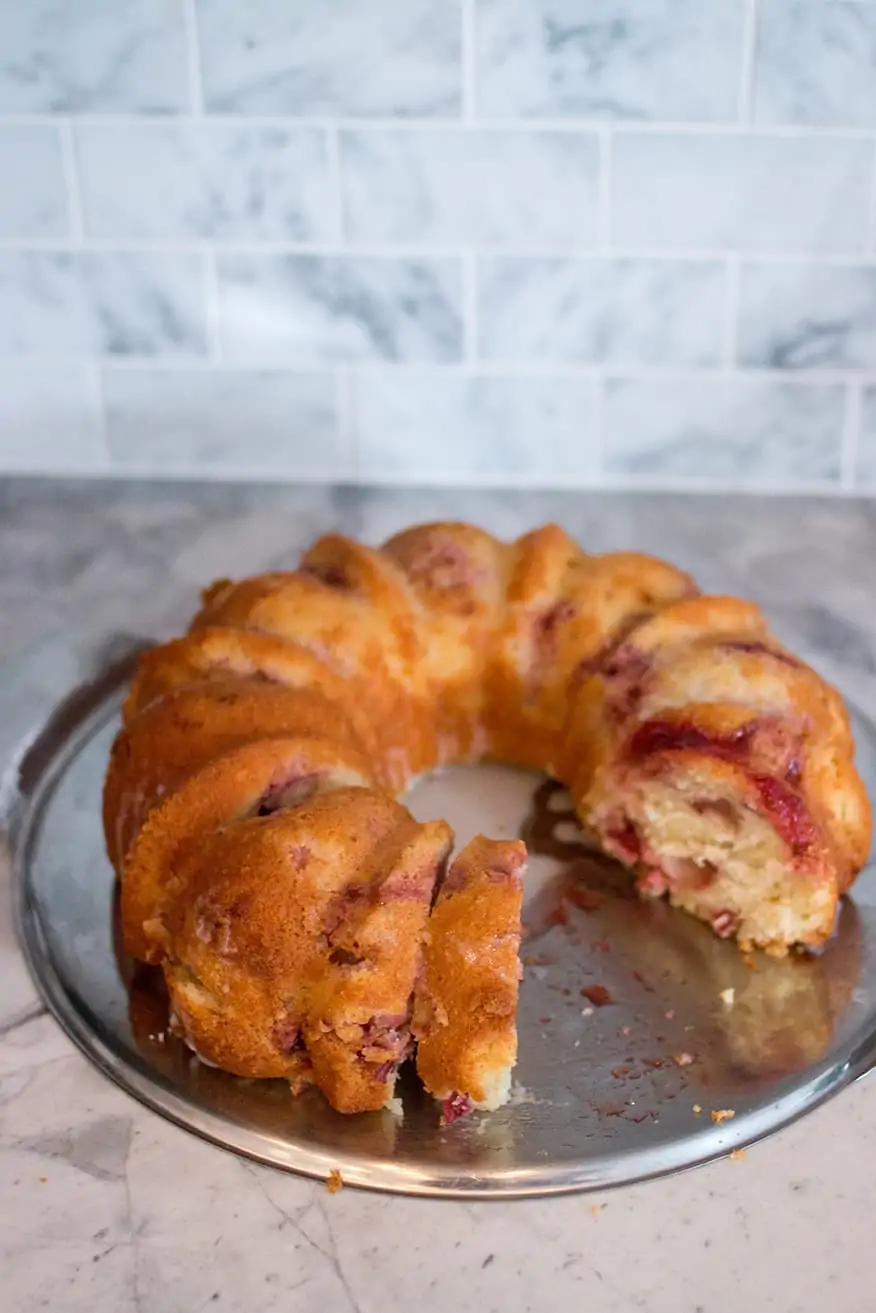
478,187
816,62
614,312
105,1206
435,428
208,180
742,432
103,56
701,191
33,194
302,308
804,318
662,59
77,304
383,58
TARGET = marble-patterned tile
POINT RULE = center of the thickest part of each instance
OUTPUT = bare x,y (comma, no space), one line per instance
801,316
815,62
347,58
33,195
215,181
49,422
647,59
100,303
738,431
301,308
686,190
865,474
107,56
223,422
594,311
432,427
479,187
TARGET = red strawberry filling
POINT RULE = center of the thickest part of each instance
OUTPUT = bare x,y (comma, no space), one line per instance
455,1106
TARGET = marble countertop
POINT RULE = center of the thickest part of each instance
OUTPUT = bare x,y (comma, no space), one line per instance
105,1206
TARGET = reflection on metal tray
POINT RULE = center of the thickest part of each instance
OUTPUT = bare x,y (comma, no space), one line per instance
636,1023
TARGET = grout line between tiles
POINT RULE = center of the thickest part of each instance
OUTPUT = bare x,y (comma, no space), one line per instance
193,58
438,251
600,436
504,369
71,182
747,63
870,235
623,127
851,436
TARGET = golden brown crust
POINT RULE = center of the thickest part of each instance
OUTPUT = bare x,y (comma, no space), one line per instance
466,1002
696,748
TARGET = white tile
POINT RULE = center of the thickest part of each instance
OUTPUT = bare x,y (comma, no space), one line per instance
866,469
643,312
302,309
807,317
90,303
686,190
223,422
648,59
737,431
431,427
33,197
48,422
386,57
100,56
815,62
474,186
215,181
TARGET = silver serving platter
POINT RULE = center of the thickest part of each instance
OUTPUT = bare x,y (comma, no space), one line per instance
605,1092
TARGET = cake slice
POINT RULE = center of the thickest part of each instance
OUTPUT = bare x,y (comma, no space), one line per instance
465,1003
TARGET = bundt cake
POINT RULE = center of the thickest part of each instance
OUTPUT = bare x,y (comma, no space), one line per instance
307,926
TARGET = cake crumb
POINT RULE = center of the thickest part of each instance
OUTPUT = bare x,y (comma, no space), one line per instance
728,996
596,1209
697,1108
683,1059
598,995
737,1155
669,1014
720,1115
587,1012
335,1181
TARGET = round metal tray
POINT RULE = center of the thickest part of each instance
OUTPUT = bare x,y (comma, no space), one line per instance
636,1023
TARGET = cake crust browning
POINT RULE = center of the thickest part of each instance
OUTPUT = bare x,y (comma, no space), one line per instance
250,801
465,1003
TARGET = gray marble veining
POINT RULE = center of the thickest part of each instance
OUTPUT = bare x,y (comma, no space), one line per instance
741,432
616,312
566,209
664,59
101,303
270,57
103,56
799,318
330,308
213,181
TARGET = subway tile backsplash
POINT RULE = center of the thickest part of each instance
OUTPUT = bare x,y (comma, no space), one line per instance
561,242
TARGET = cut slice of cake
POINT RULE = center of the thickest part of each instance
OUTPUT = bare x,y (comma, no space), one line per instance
465,1003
